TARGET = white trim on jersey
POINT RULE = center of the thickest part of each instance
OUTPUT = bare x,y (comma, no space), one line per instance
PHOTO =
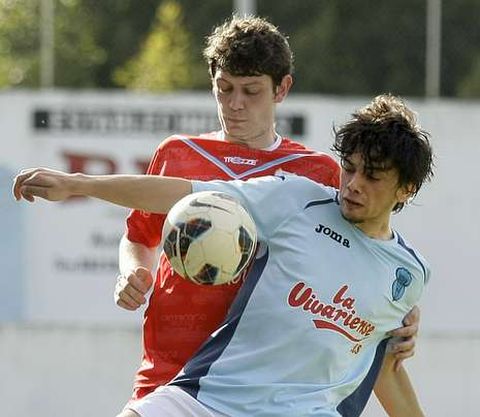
214,160
278,140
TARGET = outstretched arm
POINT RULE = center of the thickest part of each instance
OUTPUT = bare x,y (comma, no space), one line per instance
150,193
395,391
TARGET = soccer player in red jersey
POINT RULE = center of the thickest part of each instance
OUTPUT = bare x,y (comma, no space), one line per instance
250,64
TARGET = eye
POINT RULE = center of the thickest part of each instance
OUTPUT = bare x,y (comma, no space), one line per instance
224,90
372,177
252,92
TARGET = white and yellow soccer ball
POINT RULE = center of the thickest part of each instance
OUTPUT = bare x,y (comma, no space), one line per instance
209,238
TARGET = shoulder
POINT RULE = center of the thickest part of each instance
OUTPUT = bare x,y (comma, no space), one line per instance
297,186
184,141
288,144
315,165
177,139
415,256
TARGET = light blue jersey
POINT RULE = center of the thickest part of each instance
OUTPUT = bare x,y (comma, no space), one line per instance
306,333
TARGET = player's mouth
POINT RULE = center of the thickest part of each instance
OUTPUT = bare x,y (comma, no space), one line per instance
235,121
351,204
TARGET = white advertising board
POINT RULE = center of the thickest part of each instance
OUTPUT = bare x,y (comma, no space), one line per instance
68,251
62,258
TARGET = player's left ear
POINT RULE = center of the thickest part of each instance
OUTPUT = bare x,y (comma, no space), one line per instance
405,192
282,90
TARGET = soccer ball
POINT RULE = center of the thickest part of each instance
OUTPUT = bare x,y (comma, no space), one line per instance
209,238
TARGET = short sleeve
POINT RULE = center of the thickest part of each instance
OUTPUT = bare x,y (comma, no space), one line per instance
270,200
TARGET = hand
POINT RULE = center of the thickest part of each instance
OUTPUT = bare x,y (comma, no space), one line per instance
130,289
402,344
42,182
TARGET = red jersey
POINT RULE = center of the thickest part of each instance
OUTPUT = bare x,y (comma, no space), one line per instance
181,315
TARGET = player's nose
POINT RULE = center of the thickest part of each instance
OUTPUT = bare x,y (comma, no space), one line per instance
237,101
355,181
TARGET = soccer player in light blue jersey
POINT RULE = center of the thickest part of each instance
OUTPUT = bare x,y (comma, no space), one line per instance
307,333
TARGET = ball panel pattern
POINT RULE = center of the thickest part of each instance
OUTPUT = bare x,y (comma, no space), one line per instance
209,238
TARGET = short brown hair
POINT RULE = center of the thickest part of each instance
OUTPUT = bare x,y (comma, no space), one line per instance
249,46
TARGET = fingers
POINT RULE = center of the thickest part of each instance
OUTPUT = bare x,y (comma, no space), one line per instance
402,348
400,357
31,183
28,192
127,296
125,305
404,354
145,279
402,344
412,317
411,324
16,188
45,183
405,331
26,196
19,180
130,290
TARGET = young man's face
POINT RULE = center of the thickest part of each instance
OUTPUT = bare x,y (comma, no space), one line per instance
367,197
246,106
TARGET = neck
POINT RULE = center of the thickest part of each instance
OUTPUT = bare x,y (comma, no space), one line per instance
381,231
261,141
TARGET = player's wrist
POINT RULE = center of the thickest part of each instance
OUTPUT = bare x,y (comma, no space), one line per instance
81,184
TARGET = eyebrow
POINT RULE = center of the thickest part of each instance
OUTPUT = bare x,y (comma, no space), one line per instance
370,168
249,84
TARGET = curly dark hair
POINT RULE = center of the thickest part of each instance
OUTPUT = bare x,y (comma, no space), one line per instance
386,134
249,46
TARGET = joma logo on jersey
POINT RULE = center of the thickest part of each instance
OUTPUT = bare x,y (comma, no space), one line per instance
239,161
332,234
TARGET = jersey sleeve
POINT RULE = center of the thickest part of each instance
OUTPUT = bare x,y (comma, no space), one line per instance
270,200
413,289
142,227
418,274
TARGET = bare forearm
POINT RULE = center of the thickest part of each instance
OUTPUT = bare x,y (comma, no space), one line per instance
395,391
135,279
149,193
133,255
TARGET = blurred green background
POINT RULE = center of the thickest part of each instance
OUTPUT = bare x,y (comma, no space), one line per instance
341,47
